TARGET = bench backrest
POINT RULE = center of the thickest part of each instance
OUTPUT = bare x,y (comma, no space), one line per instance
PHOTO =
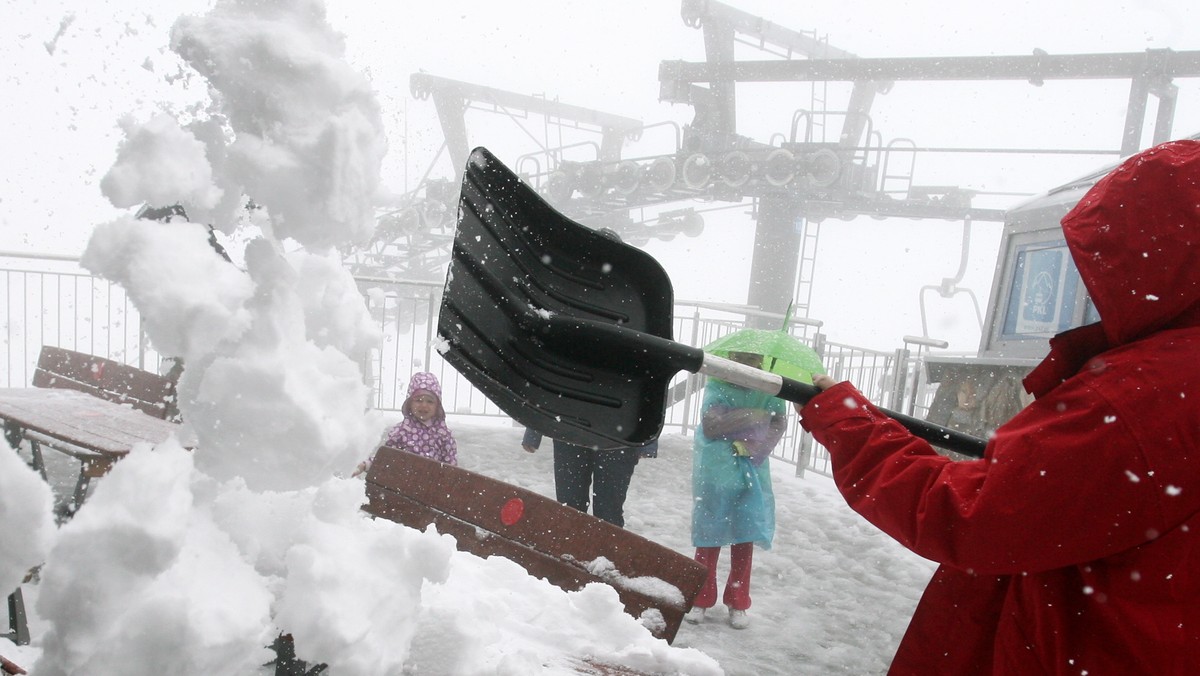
110,380
552,541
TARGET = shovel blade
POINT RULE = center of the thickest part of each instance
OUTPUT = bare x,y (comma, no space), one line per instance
537,309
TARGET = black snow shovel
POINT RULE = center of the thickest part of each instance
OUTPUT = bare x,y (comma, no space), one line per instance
569,331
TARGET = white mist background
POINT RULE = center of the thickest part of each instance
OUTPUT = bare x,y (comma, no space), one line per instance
74,70
191,562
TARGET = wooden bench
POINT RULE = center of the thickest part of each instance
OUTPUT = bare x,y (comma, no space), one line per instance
552,541
110,380
9,667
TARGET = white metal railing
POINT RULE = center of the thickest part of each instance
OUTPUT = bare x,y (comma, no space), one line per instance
49,300
63,306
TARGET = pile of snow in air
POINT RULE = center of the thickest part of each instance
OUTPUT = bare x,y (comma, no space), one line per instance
192,561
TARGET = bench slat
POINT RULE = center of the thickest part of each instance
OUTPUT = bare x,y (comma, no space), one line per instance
562,574
104,378
551,540
545,525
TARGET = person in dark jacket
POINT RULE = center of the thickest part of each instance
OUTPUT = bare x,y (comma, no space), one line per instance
583,475
1073,545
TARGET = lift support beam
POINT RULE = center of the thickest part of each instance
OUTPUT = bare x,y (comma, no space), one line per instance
453,97
1149,72
716,105
1036,68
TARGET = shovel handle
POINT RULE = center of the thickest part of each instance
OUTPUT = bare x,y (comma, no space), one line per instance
800,393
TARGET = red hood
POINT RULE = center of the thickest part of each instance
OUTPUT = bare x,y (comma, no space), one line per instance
1135,237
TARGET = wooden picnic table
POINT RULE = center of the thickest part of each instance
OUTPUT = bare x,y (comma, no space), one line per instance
96,431
88,407
102,427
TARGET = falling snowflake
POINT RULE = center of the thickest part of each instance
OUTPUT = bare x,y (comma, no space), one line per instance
441,345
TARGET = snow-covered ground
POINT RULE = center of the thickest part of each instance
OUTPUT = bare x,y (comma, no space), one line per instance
832,596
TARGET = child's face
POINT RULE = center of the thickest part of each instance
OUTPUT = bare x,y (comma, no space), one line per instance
424,407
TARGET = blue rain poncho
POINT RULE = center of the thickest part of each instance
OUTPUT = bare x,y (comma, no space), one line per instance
732,500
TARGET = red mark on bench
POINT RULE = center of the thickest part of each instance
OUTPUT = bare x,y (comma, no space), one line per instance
512,511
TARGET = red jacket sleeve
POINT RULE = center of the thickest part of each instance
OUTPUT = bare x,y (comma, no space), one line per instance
1062,483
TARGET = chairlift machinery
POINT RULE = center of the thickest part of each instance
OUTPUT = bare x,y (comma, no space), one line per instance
796,180
413,237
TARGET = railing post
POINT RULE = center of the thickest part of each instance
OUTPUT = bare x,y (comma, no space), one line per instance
142,342
910,402
804,457
900,377
430,328
688,380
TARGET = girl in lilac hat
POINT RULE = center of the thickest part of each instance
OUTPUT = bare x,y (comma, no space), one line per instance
423,430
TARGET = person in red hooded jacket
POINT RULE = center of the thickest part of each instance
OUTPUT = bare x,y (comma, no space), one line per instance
1073,545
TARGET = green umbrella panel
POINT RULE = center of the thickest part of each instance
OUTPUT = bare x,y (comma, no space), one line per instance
782,352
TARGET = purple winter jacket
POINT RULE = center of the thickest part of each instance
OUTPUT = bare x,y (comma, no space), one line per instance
432,439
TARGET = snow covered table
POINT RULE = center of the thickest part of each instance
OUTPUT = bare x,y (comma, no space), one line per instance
95,431
89,407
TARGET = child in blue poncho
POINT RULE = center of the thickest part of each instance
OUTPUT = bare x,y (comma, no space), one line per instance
732,500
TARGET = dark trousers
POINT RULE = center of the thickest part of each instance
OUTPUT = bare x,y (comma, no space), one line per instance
604,475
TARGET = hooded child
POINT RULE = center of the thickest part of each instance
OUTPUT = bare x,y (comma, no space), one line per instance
423,430
732,499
